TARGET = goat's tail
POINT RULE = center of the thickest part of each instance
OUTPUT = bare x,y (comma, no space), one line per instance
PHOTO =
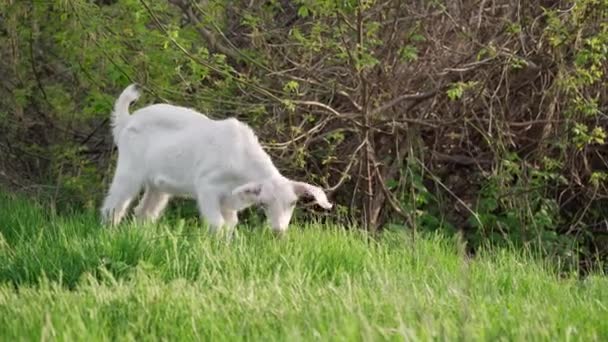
120,115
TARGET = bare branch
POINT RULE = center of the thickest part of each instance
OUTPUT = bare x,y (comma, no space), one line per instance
405,97
209,36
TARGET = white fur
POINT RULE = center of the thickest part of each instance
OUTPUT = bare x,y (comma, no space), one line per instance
176,151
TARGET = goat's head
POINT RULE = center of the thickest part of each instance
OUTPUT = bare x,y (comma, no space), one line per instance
278,196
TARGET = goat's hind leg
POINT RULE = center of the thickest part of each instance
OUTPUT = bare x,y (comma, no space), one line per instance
152,205
123,189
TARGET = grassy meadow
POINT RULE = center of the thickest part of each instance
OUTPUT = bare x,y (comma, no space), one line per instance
67,278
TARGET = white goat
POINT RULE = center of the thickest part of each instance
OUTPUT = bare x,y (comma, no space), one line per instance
176,151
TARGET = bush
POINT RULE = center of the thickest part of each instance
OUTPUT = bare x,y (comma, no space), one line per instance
486,118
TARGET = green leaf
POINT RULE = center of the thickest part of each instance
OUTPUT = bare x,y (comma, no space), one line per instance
303,11
408,53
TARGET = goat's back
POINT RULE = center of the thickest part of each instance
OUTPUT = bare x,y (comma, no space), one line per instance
160,119
167,117
174,141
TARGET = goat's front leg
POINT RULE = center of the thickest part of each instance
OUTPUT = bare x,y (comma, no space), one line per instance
210,209
230,220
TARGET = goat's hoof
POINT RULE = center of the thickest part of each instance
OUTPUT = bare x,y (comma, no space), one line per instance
279,234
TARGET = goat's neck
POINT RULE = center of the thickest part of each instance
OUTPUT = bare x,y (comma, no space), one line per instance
264,171
263,168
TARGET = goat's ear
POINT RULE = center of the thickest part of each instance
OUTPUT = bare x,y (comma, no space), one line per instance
305,189
250,192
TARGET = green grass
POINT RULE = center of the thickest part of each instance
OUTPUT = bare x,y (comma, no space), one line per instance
66,278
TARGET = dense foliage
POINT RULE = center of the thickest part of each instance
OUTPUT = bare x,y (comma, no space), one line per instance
486,117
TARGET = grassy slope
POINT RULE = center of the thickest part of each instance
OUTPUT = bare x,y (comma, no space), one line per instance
65,277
